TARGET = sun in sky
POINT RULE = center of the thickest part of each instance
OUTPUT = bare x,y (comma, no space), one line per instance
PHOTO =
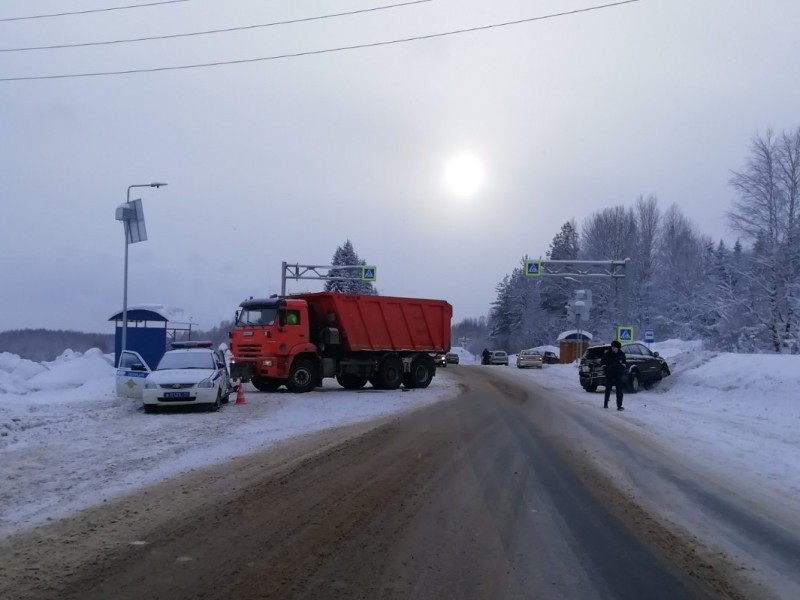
464,175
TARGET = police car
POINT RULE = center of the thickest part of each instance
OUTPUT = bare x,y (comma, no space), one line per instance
190,374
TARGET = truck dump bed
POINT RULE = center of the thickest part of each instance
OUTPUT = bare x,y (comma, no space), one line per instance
382,323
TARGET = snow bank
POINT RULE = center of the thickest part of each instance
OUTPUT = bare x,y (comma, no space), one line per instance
71,370
737,413
67,442
464,355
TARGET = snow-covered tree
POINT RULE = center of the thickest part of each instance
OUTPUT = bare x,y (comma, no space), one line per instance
767,213
608,234
683,299
643,281
346,255
556,291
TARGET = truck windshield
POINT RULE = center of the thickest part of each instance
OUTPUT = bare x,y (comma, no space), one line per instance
257,316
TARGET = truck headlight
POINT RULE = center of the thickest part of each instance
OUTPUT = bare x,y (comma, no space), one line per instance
206,383
266,363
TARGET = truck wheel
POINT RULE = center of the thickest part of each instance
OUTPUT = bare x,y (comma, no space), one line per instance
265,384
351,382
390,373
421,373
303,377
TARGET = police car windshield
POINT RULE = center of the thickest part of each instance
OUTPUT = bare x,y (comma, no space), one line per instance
257,316
186,360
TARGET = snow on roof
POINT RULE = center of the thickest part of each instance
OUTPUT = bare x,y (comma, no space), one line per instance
171,314
573,333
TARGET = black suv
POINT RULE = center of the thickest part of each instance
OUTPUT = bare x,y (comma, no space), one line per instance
550,358
644,367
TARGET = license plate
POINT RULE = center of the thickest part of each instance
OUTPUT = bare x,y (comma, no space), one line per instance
176,394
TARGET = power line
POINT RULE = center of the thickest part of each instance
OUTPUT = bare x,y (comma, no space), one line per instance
86,12
323,51
212,31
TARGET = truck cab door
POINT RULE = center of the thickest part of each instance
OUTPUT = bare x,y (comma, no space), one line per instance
131,373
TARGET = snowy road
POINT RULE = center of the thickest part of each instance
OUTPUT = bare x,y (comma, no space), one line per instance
488,495
69,449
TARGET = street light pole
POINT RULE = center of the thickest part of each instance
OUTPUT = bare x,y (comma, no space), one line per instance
124,341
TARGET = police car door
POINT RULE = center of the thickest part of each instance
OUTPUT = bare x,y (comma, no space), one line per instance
131,373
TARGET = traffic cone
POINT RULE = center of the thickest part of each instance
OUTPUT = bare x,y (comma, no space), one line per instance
240,395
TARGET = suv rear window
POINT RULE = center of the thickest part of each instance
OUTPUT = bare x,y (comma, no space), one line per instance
593,353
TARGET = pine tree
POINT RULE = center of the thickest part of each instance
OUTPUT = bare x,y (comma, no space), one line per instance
346,255
555,291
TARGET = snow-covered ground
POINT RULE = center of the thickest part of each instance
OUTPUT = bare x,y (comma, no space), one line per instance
67,442
738,414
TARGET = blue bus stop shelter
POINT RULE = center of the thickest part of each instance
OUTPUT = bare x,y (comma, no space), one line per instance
151,327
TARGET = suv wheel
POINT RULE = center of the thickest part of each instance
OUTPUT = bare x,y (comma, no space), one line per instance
590,388
633,382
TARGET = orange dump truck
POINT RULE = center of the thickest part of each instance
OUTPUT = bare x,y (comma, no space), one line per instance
299,339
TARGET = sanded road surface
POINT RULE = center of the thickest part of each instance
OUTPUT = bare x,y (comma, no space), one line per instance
478,497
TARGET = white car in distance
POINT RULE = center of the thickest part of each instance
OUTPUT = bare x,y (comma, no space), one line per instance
191,374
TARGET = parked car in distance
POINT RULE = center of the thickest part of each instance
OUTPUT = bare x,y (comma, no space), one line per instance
550,358
440,360
192,374
451,358
644,367
498,357
529,359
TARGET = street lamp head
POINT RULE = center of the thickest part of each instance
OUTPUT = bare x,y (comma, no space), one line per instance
158,185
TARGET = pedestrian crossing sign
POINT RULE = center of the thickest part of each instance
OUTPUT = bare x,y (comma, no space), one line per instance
625,334
533,268
369,273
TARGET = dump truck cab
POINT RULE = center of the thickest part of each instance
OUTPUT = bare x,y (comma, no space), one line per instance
267,334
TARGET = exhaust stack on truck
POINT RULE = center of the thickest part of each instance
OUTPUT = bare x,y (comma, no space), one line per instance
299,339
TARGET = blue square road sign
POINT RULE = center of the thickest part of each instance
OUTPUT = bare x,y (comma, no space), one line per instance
533,268
369,273
625,334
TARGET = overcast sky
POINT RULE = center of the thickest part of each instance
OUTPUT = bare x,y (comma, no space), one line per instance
285,159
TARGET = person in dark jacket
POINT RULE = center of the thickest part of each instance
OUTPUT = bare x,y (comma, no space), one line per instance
485,356
615,368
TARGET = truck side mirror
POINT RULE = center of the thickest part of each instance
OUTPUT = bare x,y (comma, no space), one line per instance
282,318
230,335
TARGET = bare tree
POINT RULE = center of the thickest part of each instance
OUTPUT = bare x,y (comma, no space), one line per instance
684,301
766,214
609,234
648,221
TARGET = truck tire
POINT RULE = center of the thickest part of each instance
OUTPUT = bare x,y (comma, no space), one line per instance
351,382
303,376
265,384
421,373
390,373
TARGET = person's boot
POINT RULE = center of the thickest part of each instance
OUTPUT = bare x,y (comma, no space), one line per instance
620,408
